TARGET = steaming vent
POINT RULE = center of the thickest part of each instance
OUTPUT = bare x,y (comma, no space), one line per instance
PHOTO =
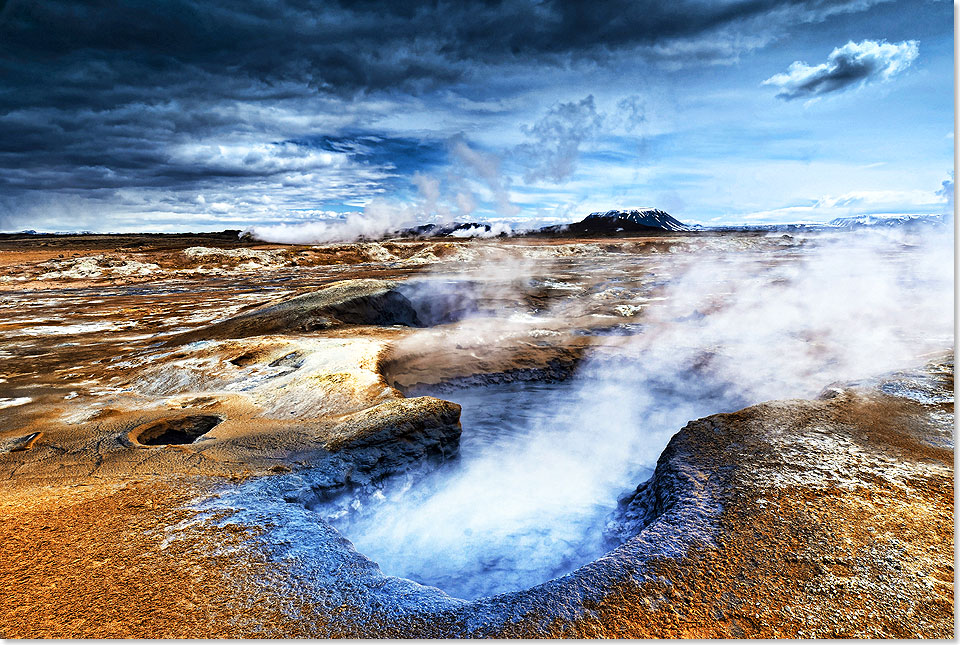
418,303
439,302
539,486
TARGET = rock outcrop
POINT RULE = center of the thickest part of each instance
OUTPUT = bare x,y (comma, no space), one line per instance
349,302
390,440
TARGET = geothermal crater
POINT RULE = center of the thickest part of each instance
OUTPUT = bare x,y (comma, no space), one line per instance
493,519
526,499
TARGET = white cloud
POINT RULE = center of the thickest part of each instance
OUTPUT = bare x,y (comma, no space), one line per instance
853,65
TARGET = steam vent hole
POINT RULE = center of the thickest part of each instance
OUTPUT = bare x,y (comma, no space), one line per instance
177,431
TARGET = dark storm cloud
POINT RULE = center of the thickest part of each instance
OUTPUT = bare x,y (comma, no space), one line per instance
852,65
187,96
343,47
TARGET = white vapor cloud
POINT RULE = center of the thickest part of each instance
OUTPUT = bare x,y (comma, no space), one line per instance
946,193
728,329
555,139
487,168
378,219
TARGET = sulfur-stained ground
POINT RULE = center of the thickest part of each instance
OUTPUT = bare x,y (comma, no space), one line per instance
827,517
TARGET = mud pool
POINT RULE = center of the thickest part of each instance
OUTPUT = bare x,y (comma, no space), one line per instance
528,498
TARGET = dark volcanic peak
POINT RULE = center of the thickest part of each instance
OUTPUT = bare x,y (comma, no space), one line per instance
619,222
648,217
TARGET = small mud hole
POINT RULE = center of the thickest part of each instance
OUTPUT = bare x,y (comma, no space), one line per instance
181,430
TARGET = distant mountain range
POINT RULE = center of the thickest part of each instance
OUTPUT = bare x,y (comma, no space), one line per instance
613,223
908,222
886,220
641,221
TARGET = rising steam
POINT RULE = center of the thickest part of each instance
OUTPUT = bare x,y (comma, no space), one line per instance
378,220
530,498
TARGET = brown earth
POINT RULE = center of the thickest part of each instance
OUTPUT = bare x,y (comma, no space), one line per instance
835,517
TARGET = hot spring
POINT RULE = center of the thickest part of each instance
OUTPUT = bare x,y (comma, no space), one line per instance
540,468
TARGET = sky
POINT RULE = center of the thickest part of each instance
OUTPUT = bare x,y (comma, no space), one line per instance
201,115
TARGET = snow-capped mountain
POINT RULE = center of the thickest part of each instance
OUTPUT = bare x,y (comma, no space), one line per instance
649,217
885,220
637,221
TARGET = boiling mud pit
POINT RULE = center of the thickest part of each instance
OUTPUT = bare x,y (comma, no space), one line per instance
536,482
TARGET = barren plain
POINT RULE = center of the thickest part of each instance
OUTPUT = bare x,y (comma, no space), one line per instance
693,434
